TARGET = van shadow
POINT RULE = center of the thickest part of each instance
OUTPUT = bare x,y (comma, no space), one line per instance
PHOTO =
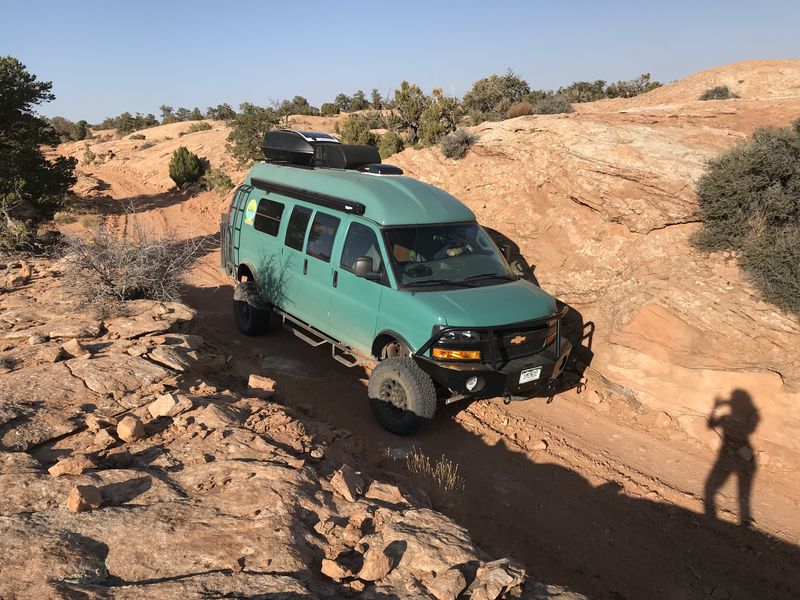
592,537
586,535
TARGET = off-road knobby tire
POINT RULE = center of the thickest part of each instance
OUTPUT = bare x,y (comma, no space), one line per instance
252,317
417,387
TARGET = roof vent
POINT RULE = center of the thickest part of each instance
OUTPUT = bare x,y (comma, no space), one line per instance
379,169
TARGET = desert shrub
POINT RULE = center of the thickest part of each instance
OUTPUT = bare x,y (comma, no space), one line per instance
552,105
89,221
377,99
146,145
750,203
217,180
408,105
88,156
439,480
632,87
247,132
583,91
520,109
457,143
440,117
329,109
136,136
355,129
201,126
719,92
222,112
127,123
32,187
106,269
65,217
490,98
389,143
184,167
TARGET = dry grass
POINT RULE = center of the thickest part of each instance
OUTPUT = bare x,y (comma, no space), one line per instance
439,480
104,269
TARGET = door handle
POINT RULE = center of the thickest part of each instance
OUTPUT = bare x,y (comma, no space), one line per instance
335,278
305,266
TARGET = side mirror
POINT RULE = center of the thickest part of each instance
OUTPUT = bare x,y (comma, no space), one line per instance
506,250
364,268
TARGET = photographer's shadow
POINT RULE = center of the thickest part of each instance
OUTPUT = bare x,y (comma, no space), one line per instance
736,454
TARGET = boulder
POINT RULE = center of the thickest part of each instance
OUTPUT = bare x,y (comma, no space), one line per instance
84,497
377,565
335,571
103,439
130,428
260,386
174,358
75,349
169,405
75,464
447,585
347,483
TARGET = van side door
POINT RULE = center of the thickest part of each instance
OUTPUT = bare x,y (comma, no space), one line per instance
355,304
295,263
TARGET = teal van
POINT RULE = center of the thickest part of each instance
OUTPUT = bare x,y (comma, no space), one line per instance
393,274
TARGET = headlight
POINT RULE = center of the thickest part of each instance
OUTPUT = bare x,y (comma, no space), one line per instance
460,335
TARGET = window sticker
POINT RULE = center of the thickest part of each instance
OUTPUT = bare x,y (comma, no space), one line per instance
250,212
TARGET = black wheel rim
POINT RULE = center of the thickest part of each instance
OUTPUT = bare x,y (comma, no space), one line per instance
393,395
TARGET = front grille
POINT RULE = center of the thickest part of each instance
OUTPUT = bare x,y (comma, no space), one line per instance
510,344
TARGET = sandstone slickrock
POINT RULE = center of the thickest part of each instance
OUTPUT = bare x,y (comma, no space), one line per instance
175,358
130,428
84,497
116,372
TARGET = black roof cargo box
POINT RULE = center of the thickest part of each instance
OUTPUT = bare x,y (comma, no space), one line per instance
293,147
345,156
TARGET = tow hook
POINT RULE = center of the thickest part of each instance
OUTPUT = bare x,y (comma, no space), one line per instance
551,390
506,398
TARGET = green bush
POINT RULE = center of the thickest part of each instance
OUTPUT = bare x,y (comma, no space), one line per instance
491,97
719,92
136,136
520,109
408,105
439,118
217,180
247,132
32,187
750,203
632,87
457,143
222,112
329,109
201,126
88,156
583,91
390,143
184,167
355,129
552,105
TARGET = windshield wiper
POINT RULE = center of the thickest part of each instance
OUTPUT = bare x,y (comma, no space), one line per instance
439,282
492,276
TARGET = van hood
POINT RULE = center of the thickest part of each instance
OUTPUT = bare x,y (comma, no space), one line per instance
490,305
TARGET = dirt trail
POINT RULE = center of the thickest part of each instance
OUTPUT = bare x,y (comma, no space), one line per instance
587,495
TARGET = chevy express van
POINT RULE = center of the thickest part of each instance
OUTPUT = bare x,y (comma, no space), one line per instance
391,273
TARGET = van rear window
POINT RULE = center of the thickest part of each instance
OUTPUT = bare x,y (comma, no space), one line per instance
268,216
323,232
296,230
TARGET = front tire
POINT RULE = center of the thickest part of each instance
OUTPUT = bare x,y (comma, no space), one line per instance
252,317
402,395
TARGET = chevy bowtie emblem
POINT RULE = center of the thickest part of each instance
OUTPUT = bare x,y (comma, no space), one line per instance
518,340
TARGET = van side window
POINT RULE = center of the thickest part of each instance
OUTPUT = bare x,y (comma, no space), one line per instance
296,231
323,232
268,216
361,241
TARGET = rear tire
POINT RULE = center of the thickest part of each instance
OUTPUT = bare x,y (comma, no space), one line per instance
252,317
402,395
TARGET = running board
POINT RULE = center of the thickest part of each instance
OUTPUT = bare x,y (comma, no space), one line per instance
314,338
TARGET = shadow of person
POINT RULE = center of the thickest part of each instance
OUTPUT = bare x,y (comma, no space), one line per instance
735,455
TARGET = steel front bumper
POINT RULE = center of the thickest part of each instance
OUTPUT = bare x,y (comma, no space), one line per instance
504,378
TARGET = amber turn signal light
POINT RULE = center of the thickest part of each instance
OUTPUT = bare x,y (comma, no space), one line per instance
456,354
550,339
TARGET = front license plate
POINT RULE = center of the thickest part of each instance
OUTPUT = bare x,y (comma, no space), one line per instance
530,375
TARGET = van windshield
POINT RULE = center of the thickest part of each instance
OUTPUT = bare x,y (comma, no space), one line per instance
460,255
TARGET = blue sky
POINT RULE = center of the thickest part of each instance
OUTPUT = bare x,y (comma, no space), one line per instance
108,57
